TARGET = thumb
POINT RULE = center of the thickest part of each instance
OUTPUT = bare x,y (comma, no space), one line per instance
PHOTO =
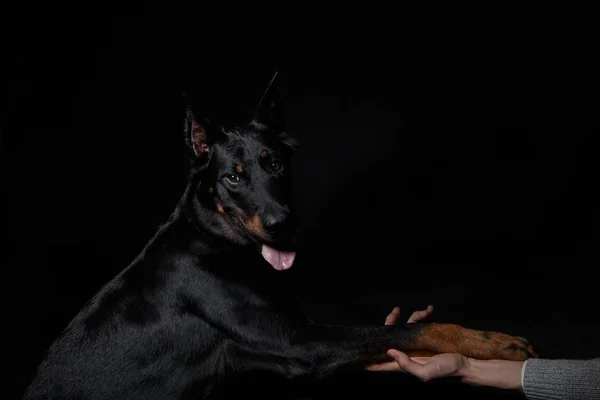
401,358
424,371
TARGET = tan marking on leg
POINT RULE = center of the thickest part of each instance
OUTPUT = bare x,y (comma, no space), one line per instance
450,338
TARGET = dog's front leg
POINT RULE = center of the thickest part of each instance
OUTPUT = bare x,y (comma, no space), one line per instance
328,348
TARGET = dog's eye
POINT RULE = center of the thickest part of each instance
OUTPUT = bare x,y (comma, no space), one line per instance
233,178
276,165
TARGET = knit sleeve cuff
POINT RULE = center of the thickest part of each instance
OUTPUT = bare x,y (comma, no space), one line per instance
561,379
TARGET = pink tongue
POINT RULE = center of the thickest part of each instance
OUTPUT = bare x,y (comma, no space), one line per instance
280,260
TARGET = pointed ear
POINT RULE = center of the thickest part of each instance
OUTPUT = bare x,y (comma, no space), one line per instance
195,131
269,113
269,110
198,139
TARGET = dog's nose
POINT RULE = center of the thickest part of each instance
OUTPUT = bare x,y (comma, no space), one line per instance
275,222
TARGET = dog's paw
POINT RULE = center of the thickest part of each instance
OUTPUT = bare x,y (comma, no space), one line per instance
450,338
495,345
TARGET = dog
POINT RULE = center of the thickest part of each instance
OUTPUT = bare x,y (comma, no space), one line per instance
202,304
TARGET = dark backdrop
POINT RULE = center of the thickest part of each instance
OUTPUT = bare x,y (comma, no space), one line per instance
447,157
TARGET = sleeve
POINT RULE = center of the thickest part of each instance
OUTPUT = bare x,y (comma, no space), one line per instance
561,379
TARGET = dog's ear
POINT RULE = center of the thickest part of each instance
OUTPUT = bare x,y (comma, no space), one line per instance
197,136
269,113
269,110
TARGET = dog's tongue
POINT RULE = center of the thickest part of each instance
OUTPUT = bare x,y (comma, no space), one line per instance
280,260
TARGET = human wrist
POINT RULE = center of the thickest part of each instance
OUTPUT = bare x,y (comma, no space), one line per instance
465,367
501,374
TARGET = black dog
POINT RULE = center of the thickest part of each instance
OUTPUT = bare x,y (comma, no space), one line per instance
202,304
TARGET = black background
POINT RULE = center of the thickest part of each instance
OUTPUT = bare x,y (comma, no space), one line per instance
448,157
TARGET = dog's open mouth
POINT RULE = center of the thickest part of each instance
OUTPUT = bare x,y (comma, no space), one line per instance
279,259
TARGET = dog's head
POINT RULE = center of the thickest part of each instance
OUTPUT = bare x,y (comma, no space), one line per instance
241,181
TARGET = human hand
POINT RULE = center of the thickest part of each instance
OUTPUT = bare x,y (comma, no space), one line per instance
392,319
503,374
424,368
416,316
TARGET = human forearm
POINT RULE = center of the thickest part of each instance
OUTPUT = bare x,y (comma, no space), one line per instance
494,373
